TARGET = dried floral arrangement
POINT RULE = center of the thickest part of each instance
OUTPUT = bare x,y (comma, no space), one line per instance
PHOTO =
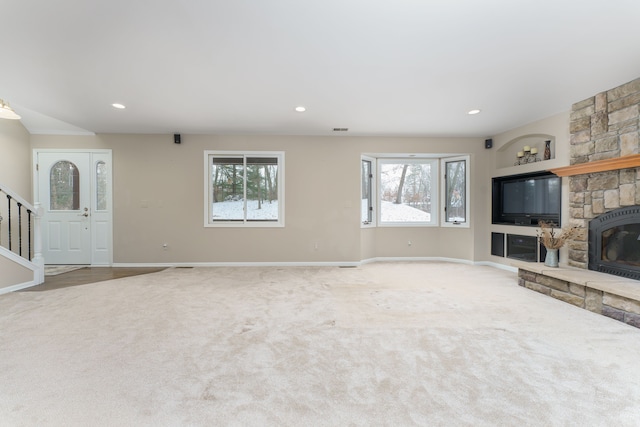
552,238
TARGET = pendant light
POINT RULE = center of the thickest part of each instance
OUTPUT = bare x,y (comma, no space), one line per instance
6,112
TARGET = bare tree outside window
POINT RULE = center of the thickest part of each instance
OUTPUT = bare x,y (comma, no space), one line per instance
244,188
101,186
456,199
64,186
407,184
366,203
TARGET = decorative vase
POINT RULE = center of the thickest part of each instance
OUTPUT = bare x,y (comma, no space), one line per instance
547,150
551,260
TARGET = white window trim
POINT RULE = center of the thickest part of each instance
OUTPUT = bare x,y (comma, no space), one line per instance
443,191
374,194
244,223
434,201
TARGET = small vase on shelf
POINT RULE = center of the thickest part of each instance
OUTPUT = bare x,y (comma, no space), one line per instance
553,240
551,259
547,150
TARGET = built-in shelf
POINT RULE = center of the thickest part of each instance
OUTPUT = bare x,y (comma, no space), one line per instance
624,162
506,155
543,165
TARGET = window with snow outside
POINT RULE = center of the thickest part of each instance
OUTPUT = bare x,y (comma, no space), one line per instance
456,191
245,189
408,191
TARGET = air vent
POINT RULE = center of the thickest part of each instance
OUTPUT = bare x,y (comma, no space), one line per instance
340,129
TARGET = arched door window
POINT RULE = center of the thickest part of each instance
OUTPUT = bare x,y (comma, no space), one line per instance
64,184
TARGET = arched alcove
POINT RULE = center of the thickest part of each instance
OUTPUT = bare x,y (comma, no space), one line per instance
507,155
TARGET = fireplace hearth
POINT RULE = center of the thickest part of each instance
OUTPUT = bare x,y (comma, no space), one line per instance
614,242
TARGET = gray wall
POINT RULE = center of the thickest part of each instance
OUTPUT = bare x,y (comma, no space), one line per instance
15,157
15,173
322,186
322,193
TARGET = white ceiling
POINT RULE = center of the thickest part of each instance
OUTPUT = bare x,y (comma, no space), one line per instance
394,67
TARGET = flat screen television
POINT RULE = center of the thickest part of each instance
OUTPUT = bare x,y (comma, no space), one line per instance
526,199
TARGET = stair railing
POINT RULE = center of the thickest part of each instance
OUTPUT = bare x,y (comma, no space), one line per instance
20,227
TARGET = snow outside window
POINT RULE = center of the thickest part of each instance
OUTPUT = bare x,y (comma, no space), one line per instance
408,191
366,191
456,198
244,189
414,191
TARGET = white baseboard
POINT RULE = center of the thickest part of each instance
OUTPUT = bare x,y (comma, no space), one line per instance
17,287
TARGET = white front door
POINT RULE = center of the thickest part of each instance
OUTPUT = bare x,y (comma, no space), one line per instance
74,190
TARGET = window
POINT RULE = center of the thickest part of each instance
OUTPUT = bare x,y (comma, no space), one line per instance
455,193
407,194
366,199
64,182
407,191
244,189
101,186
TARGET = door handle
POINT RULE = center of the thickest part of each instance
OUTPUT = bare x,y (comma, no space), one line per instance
85,213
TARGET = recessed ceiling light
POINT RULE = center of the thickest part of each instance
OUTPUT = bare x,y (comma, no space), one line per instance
472,112
119,106
300,109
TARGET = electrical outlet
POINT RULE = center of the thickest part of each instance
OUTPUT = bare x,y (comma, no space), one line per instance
409,243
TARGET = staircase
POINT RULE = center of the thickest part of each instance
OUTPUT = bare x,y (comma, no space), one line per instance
21,262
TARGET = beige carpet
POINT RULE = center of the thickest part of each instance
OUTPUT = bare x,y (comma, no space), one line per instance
384,344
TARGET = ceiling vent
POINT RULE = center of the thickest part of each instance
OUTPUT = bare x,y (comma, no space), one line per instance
340,129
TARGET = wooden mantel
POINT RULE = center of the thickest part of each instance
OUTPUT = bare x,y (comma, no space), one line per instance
624,162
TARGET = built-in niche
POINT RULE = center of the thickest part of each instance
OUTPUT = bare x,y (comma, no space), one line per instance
525,248
526,149
497,244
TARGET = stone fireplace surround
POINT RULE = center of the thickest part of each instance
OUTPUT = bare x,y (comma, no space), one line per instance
602,127
604,174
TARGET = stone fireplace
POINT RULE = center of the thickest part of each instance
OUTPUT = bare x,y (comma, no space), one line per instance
604,130
604,204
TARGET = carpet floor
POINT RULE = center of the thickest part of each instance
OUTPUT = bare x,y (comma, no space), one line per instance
383,344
